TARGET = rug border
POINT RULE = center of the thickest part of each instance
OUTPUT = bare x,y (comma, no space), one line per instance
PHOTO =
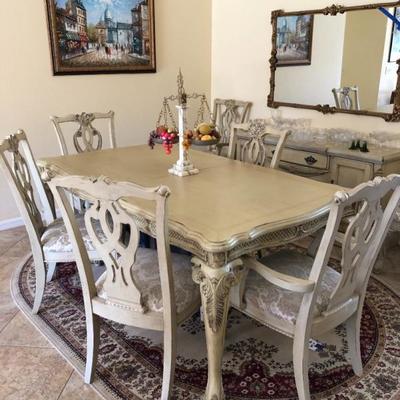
59,345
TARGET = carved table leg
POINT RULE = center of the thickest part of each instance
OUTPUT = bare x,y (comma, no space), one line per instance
215,285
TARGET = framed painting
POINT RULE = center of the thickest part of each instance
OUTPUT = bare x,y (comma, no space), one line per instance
394,51
101,37
294,40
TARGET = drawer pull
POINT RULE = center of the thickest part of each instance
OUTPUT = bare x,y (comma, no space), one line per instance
310,160
273,152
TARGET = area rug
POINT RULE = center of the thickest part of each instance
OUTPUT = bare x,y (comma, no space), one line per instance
257,362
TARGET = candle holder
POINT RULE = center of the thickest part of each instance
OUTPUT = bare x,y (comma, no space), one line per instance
183,166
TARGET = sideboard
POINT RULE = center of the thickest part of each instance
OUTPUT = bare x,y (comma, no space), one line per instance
335,163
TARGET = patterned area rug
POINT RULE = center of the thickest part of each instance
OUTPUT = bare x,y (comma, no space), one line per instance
257,362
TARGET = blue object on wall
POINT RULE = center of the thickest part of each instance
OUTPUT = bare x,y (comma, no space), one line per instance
390,16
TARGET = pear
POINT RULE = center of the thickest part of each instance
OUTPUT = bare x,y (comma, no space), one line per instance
205,128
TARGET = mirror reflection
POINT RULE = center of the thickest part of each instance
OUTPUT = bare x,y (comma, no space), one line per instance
347,61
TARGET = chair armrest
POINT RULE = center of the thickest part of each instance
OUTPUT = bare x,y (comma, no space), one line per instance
282,280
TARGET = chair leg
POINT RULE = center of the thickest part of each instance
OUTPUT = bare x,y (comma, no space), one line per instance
353,339
300,364
169,362
314,245
51,269
40,276
93,338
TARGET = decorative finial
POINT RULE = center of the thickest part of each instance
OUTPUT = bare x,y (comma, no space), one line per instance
182,97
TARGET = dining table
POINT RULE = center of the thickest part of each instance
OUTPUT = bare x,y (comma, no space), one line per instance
230,209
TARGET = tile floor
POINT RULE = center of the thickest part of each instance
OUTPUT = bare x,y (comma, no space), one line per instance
29,367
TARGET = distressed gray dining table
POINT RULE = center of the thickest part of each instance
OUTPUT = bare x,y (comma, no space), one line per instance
230,209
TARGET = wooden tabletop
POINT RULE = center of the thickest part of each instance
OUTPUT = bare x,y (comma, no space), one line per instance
227,201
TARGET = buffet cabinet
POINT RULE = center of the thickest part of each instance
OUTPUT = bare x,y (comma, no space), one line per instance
336,163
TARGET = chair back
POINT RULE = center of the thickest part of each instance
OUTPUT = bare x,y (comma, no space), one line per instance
227,112
374,204
115,236
87,137
18,164
251,146
347,98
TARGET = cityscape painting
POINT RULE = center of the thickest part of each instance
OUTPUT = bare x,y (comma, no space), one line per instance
294,40
101,36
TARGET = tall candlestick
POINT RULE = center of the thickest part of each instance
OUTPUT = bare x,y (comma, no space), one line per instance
183,166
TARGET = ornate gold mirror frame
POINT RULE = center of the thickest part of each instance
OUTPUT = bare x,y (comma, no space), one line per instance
326,108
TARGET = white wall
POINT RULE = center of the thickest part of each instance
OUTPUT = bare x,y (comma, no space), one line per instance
29,93
241,46
363,54
313,84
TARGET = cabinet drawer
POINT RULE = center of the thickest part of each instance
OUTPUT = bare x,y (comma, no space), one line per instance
304,158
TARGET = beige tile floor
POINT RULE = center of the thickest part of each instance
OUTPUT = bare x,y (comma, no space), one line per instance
29,367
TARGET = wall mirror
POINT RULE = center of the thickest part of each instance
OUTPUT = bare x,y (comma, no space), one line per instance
337,59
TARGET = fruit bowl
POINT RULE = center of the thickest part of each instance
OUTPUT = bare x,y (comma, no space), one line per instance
204,142
158,140
205,135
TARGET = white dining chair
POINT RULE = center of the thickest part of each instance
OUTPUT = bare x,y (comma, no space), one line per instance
87,137
141,287
48,238
347,98
225,113
302,297
251,147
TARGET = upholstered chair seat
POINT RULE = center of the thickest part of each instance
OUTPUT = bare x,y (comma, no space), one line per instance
267,301
55,238
146,274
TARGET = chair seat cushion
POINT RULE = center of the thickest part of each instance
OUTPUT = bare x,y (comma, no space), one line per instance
146,274
55,239
265,300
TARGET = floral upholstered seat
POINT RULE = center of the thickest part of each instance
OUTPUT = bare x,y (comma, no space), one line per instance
56,240
146,274
264,298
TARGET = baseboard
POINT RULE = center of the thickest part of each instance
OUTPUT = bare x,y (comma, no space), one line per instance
11,223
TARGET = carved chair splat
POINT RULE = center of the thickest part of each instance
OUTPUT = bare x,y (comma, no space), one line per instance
47,235
227,112
145,288
87,137
252,148
300,296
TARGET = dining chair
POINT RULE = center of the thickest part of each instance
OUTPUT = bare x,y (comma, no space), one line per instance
145,288
225,113
251,147
301,297
87,137
49,240
347,98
